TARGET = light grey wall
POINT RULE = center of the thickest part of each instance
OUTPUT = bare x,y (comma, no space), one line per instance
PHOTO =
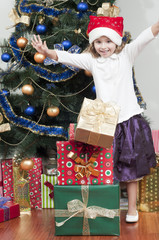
138,15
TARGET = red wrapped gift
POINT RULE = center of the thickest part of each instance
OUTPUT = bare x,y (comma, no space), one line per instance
9,210
1,182
72,162
71,131
7,173
34,181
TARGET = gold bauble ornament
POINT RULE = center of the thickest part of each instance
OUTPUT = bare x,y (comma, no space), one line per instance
27,164
87,73
55,21
39,57
53,111
22,42
27,89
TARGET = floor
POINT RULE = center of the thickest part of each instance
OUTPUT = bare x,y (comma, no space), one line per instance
39,225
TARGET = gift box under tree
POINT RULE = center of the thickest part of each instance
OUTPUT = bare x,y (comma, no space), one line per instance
148,194
71,157
8,209
1,181
34,181
87,210
47,190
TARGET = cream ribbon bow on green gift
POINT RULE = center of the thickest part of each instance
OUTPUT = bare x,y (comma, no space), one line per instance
80,209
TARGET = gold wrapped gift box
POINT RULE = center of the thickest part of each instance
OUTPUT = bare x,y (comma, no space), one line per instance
148,199
97,122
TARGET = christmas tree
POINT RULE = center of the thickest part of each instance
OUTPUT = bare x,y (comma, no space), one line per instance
39,98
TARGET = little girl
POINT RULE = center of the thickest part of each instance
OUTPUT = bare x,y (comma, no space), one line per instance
112,72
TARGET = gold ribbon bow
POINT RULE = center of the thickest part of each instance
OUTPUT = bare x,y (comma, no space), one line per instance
76,208
5,126
97,114
14,17
108,10
83,168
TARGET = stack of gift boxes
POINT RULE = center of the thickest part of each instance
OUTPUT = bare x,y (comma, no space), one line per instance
25,190
86,198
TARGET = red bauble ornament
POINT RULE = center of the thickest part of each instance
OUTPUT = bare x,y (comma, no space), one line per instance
22,42
39,57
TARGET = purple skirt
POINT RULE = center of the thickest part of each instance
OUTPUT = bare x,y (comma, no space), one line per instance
133,149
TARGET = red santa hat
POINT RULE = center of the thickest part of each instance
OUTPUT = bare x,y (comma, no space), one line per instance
111,27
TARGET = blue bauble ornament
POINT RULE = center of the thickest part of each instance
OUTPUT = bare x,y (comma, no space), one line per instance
6,57
67,44
41,29
82,7
94,89
6,92
30,110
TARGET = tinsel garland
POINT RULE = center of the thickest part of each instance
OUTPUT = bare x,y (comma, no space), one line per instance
26,8
40,71
28,124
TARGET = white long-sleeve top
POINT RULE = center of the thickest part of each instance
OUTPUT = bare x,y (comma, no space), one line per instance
113,75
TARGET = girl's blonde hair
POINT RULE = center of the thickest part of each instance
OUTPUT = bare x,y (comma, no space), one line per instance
92,50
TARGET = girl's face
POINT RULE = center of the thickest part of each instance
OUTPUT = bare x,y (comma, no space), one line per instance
104,46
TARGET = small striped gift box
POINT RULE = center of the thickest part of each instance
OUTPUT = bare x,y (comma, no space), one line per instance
47,185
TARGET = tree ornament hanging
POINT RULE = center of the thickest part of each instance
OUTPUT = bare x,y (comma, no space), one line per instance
27,164
6,57
22,42
39,57
82,7
27,89
41,29
29,111
53,111
94,89
87,73
55,21
67,44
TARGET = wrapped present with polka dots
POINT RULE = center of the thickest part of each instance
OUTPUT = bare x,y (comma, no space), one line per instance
35,183
1,181
71,131
7,175
34,176
81,164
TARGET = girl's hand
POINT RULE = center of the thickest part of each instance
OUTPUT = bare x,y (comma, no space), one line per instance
155,28
39,45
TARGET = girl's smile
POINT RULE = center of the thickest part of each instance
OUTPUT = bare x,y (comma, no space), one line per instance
104,46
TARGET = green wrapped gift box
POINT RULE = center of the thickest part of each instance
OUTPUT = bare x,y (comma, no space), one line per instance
87,210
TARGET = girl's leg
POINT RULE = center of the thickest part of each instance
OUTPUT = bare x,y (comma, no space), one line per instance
132,197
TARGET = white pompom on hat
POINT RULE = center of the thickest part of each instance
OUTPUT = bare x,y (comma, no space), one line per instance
111,27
